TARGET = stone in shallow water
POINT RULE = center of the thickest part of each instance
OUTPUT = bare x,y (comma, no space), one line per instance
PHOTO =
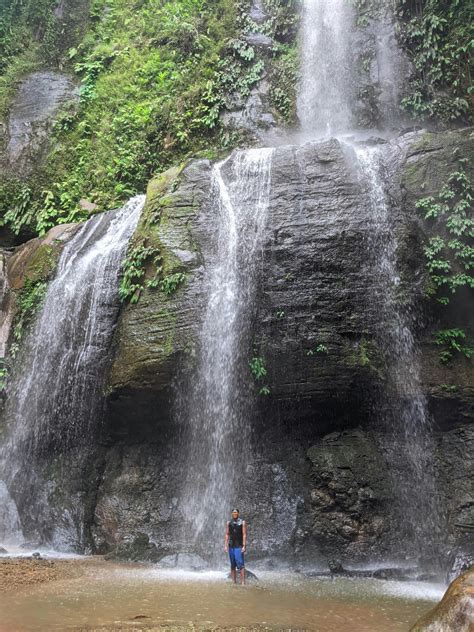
185,561
455,612
3,551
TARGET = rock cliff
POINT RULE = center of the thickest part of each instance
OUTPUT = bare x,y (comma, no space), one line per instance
317,480
318,469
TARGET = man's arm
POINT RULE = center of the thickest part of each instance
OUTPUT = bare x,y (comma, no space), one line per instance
244,539
226,539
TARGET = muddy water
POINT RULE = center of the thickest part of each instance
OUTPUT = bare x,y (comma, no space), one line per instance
121,597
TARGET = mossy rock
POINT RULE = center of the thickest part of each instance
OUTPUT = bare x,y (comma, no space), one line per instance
157,327
37,259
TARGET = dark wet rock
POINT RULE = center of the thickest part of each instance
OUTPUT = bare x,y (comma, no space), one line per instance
257,12
259,40
253,118
36,555
39,98
185,561
335,567
455,612
169,561
3,551
397,574
350,494
10,526
138,549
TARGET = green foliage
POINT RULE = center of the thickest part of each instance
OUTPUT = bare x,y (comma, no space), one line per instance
3,377
439,37
283,65
154,76
29,301
258,368
284,20
365,11
134,267
259,372
452,341
449,253
25,24
320,348
449,388
284,77
134,270
171,283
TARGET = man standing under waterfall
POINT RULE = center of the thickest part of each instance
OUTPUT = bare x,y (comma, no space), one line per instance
236,543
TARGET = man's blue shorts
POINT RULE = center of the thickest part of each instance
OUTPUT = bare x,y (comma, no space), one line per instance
236,558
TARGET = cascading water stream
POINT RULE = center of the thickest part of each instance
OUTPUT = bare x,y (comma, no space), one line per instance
327,105
218,409
55,399
403,411
327,91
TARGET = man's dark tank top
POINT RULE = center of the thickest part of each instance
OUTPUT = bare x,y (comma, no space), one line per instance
236,533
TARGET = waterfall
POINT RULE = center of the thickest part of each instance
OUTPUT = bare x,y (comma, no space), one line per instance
403,409
218,409
328,105
327,91
55,399
350,74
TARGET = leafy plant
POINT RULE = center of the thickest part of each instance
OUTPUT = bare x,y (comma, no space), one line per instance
259,372
439,37
449,253
258,368
29,301
3,377
132,282
452,340
171,283
320,348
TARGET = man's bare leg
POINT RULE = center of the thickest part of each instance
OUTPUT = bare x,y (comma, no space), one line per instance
242,576
233,574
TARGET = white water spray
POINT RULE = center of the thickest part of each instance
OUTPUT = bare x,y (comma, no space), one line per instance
404,408
218,409
327,91
55,399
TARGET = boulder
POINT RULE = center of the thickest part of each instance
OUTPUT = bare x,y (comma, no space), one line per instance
138,549
455,612
39,97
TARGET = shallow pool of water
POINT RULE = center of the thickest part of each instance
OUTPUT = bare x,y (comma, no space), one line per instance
129,597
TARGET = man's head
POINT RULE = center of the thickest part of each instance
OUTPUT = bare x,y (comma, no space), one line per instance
235,514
